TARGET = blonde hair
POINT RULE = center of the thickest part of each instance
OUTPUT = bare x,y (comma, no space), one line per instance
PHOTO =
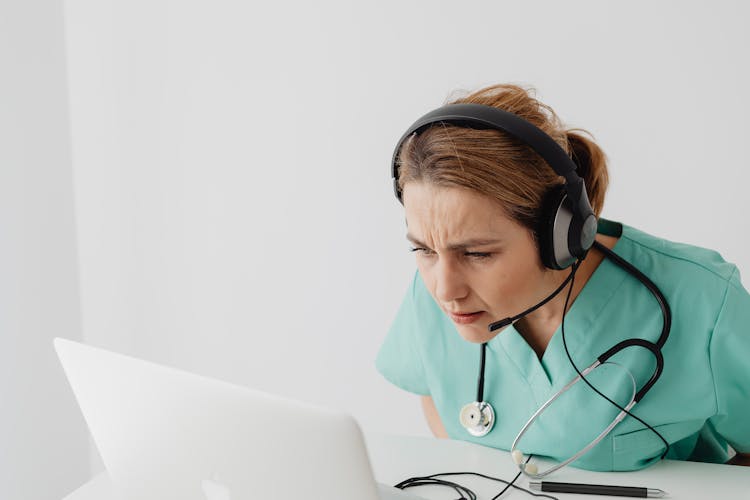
496,164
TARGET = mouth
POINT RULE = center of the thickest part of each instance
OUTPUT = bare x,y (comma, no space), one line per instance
465,318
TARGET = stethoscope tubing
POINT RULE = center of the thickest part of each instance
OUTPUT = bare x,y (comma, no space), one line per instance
620,416
654,347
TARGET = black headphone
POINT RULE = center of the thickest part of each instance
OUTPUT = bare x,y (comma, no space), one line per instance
567,224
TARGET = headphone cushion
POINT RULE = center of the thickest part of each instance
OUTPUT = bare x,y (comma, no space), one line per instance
546,237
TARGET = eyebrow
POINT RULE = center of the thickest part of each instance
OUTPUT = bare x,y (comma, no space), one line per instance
473,242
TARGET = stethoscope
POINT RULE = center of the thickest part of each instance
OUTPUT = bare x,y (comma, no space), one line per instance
478,417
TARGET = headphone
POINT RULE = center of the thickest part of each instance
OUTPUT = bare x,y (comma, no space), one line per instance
567,224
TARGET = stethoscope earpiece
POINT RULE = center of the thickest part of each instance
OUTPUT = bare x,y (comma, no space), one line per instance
526,468
477,418
530,469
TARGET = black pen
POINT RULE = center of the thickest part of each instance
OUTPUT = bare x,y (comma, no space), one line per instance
596,489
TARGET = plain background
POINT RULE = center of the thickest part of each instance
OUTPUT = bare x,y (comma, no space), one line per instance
43,439
206,184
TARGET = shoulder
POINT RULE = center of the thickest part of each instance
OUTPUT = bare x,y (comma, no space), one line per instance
694,280
683,263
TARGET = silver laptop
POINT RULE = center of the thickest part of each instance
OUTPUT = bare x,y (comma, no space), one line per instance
167,434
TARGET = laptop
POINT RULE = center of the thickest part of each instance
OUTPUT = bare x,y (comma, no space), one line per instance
168,434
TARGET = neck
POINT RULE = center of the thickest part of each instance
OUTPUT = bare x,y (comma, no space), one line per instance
538,327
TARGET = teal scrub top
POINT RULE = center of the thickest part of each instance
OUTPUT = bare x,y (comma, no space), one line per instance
700,404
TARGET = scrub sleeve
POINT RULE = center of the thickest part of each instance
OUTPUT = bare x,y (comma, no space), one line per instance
399,360
729,352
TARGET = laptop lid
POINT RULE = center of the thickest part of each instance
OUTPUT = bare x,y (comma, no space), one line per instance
164,434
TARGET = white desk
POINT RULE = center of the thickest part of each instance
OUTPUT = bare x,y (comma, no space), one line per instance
395,458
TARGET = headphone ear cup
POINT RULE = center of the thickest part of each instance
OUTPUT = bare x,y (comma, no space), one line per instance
553,229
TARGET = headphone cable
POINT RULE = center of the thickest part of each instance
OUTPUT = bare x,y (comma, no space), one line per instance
572,363
466,493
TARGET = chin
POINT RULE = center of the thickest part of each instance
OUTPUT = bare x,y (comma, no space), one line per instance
475,334
478,334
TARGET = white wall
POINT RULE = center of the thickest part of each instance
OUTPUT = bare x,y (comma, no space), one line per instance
231,162
43,441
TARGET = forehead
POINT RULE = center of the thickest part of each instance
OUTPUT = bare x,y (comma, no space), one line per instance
452,213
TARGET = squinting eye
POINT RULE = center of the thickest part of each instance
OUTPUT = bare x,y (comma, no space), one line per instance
478,255
473,255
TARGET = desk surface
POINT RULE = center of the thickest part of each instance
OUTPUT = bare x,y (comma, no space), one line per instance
395,458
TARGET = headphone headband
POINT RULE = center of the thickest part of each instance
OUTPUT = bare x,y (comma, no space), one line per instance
481,117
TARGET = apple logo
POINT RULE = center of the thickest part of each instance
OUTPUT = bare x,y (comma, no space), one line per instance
214,489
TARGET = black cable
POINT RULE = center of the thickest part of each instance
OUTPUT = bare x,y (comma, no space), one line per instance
432,480
507,321
512,481
480,385
646,281
507,483
414,482
667,322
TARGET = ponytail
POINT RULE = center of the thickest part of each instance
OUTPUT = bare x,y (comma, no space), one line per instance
592,166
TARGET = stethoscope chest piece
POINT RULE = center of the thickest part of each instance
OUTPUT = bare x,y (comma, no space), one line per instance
477,418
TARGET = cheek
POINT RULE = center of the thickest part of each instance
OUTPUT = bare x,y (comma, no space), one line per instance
427,277
512,281
423,271
509,282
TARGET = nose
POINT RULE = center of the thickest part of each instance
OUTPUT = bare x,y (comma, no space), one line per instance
450,283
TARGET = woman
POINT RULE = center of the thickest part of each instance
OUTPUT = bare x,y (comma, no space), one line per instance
474,200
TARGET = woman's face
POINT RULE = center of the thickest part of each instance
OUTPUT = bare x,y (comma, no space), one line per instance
472,257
